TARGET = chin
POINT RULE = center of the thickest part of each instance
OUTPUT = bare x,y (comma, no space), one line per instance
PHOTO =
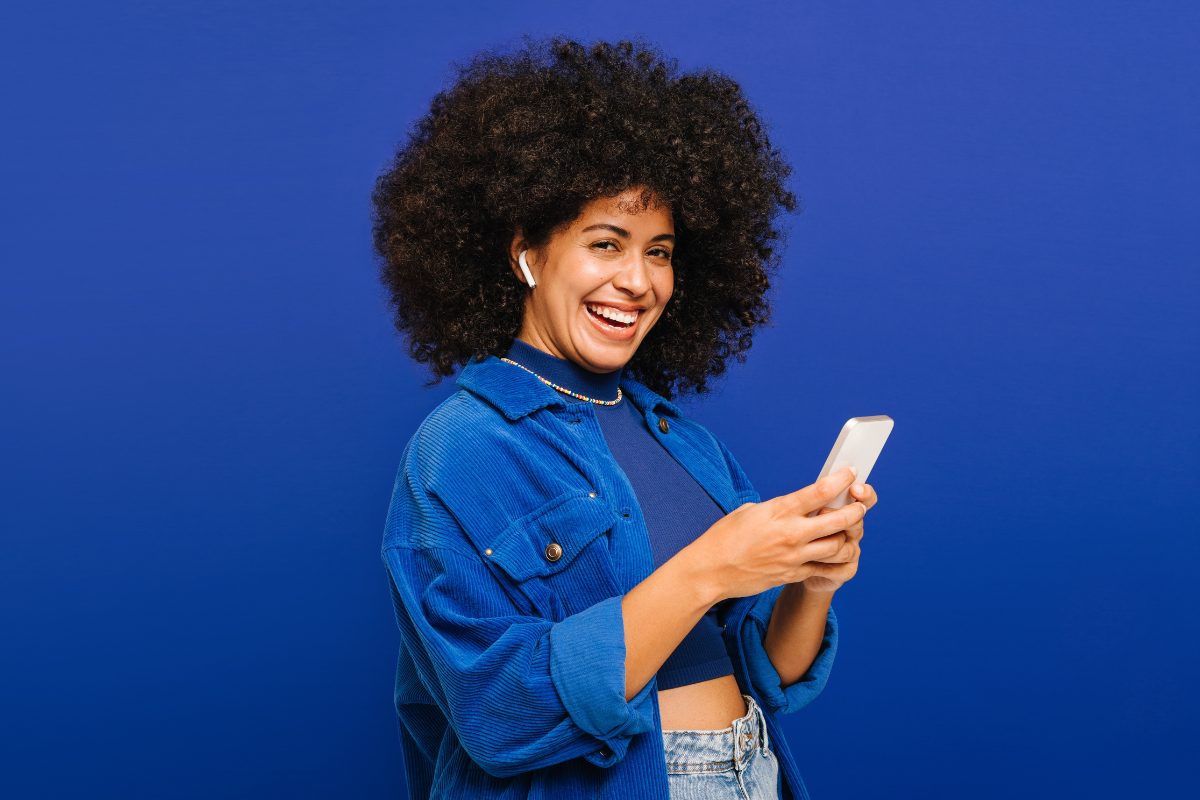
608,364
607,359
607,350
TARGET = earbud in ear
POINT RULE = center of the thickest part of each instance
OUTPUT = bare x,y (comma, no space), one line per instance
525,269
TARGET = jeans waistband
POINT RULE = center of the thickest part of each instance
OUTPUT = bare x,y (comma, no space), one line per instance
715,751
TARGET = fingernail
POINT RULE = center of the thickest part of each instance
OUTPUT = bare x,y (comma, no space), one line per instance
854,471
858,488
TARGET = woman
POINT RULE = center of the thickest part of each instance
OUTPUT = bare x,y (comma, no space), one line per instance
592,600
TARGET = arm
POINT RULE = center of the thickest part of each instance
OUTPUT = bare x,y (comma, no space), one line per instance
795,631
798,620
521,691
754,548
658,613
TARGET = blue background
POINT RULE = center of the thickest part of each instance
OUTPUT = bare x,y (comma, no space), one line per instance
204,405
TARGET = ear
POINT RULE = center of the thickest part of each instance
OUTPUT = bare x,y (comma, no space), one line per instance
516,246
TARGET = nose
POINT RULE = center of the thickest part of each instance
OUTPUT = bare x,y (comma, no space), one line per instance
634,275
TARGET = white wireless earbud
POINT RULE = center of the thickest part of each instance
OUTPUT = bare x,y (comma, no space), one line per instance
525,269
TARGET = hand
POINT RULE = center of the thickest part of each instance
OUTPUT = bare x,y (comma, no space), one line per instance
759,546
831,573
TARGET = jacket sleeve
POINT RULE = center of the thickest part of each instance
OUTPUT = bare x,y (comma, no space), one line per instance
746,621
521,692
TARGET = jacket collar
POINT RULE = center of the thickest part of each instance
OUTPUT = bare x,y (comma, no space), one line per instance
516,393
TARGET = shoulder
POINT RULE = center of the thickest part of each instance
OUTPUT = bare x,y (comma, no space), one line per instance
469,472
467,441
461,428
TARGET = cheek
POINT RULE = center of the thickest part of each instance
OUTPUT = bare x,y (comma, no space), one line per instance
563,288
664,286
581,278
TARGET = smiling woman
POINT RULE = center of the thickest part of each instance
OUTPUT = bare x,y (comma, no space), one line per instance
521,142
592,600
605,280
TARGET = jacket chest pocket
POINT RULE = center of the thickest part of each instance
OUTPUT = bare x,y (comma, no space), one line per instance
561,542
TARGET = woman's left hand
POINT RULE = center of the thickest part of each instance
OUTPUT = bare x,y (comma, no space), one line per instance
833,572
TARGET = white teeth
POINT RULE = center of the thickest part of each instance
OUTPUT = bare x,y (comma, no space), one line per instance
611,313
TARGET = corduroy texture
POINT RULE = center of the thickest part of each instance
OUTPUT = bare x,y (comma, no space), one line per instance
510,681
675,508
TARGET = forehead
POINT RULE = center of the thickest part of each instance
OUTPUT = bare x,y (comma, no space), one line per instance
632,209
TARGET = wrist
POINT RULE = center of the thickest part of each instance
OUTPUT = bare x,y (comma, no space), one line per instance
800,595
793,593
695,576
819,585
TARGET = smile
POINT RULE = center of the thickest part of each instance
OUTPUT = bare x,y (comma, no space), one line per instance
620,319
612,322
611,316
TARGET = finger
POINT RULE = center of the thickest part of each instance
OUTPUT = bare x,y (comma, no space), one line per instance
836,572
804,501
823,570
837,520
849,551
854,531
826,549
845,554
863,493
828,510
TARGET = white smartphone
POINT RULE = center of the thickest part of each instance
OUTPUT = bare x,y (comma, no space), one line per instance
858,445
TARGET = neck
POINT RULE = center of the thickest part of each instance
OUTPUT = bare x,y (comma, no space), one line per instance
567,374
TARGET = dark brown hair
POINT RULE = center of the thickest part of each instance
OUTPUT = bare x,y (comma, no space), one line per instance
524,139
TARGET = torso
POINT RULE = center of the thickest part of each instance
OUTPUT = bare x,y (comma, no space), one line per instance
708,706
675,509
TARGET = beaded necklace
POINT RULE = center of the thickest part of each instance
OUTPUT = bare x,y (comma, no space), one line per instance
576,395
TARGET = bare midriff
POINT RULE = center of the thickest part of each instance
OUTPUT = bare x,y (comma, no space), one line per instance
705,706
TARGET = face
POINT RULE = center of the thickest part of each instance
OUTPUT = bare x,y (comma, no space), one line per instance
602,283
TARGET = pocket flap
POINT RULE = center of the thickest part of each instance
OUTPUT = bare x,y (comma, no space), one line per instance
571,521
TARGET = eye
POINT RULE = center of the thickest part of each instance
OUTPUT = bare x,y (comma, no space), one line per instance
607,244
661,252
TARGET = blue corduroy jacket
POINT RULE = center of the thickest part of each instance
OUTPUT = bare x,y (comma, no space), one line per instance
511,676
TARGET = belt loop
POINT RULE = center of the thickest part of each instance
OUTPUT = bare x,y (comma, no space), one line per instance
762,727
741,731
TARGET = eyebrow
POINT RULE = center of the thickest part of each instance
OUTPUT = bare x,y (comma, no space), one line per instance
662,237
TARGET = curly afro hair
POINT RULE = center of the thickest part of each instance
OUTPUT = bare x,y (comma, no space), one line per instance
523,140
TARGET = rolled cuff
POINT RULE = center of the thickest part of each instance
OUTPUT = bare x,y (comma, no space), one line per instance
587,666
762,673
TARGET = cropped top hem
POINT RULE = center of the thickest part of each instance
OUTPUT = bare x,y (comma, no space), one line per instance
694,673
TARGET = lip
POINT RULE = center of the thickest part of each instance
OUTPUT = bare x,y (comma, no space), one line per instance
615,334
617,306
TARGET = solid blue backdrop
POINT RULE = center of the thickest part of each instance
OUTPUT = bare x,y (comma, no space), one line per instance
204,406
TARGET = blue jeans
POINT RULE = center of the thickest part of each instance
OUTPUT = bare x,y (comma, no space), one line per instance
723,765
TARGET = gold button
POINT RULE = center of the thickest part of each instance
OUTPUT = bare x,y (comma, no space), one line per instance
553,552
663,426
591,494
487,552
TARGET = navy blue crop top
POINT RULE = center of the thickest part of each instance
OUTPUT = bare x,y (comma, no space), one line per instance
675,507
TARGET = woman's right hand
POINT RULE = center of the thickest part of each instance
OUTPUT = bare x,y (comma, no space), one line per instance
755,547
759,546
